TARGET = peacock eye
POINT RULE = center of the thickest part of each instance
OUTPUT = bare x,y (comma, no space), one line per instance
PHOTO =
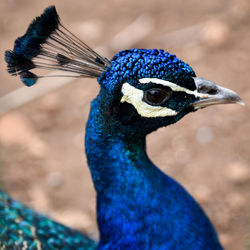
156,96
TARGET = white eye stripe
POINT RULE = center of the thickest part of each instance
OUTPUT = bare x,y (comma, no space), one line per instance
134,96
173,86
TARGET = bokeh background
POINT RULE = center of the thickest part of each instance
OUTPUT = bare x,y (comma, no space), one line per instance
42,155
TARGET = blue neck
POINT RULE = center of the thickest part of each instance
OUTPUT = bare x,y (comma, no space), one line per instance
111,155
139,207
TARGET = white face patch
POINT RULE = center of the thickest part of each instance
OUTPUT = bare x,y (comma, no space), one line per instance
173,86
134,96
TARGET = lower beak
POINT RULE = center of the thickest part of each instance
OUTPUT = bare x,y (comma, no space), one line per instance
211,94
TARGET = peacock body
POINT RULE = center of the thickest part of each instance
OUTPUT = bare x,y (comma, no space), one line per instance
138,206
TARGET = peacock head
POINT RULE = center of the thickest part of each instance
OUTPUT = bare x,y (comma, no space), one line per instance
151,88
139,88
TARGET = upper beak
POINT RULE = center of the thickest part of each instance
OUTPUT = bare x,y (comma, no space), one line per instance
210,94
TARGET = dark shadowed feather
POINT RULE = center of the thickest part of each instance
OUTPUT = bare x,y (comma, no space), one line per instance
47,44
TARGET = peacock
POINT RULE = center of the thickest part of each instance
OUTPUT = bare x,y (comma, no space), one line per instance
141,90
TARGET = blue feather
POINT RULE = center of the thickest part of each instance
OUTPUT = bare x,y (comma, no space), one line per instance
17,62
49,45
21,226
42,27
28,78
29,45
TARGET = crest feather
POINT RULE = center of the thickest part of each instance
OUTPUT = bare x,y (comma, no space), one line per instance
47,44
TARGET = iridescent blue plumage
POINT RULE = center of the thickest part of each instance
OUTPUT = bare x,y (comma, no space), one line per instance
28,46
42,27
49,45
28,78
138,206
22,228
17,63
130,65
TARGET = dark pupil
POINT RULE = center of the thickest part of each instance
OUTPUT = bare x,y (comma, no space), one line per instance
155,96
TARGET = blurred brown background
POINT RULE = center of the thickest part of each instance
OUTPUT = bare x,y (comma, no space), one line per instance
42,148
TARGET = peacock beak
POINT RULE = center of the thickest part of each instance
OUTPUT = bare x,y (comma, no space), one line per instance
212,94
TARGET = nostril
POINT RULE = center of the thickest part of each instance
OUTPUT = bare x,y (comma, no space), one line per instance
211,90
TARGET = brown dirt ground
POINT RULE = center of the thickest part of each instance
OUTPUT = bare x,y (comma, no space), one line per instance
42,152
